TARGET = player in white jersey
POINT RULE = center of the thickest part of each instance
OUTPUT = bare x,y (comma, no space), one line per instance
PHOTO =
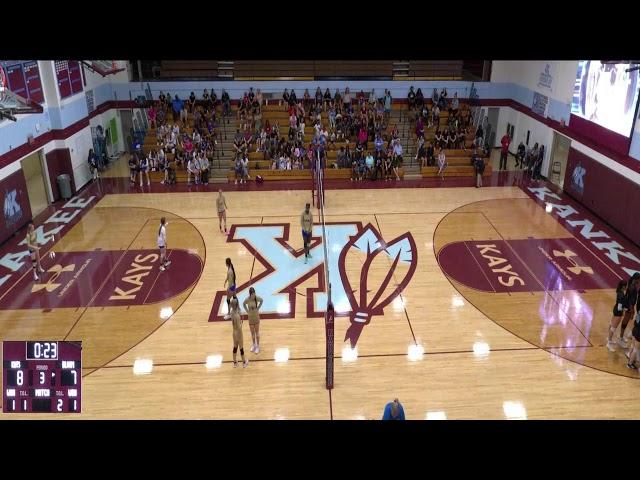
162,244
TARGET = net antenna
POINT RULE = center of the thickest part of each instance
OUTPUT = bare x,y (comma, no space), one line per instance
103,67
12,104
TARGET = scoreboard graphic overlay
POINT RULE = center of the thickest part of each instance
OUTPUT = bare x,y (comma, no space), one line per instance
41,377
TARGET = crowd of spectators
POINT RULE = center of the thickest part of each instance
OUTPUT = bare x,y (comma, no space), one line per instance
341,118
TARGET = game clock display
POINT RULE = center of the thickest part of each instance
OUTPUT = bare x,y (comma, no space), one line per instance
42,377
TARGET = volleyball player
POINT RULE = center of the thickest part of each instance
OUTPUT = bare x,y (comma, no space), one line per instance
144,170
230,285
162,244
635,349
34,250
252,306
618,309
306,221
632,297
236,321
221,204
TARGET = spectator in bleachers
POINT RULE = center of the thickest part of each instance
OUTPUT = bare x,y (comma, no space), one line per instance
442,163
455,105
442,100
431,161
421,154
435,97
346,100
397,158
306,98
327,98
478,165
226,103
520,156
191,103
362,135
411,98
372,98
151,114
420,128
341,158
178,106
452,139
387,104
419,99
292,98
435,113
461,143
337,98
193,169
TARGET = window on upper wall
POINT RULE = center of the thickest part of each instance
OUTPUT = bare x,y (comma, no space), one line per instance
68,77
23,78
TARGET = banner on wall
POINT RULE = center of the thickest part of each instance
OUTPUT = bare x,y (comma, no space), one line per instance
545,79
540,104
15,199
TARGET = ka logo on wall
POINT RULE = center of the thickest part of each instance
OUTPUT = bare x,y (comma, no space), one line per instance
577,178
12,210
365,271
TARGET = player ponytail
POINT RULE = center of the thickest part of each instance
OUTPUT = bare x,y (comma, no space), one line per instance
229,264
162,222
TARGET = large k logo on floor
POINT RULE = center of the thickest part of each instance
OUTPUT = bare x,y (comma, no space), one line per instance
365,272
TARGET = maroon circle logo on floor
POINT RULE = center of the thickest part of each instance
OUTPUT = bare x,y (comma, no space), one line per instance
525,265
104,279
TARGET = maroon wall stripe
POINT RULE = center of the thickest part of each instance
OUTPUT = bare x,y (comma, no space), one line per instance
60,134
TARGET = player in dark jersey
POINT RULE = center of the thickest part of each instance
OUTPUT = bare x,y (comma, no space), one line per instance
618,309
632,298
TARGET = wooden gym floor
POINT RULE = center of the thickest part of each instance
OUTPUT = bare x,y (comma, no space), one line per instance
452,344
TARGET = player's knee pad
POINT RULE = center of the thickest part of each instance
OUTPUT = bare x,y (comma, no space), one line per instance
242,351
235,349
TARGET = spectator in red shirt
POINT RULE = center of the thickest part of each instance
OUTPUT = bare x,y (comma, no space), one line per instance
504,152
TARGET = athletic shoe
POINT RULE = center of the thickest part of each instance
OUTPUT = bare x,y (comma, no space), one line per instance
41,270
162,269
227,316
167,263
36,277
632,366
235,364
611,346
257,350
253,347
623,343
148,184
245,363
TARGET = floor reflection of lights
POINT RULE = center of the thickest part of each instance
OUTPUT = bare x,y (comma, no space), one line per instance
481,349
514,411
436,415
142,366
214,361
457,301
349,354
281,355
399,304
415,352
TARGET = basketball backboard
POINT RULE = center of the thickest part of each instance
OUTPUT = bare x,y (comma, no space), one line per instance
103,67
12,104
